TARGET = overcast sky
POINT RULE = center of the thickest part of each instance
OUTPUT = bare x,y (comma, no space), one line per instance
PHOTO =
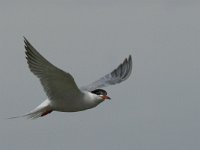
157,108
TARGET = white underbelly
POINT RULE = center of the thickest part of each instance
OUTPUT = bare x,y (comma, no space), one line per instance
71,105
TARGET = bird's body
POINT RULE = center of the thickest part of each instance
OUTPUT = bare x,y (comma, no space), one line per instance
82,101
62,92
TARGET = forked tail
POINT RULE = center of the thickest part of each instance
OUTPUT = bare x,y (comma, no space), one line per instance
42,110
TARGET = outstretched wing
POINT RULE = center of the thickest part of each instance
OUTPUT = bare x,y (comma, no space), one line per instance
121,73
56,83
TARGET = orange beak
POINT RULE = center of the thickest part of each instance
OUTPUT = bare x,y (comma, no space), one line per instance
104,97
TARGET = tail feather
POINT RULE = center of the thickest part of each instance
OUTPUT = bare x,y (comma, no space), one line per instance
40,111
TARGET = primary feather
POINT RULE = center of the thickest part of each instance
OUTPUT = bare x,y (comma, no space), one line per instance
121,73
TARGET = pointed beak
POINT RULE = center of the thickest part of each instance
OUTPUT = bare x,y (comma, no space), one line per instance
104,97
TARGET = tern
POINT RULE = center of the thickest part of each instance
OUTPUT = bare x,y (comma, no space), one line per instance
62,92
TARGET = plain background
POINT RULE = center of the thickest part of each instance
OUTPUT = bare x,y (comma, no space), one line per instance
157,108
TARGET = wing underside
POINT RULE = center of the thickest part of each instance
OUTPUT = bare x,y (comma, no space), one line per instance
118,75
56,83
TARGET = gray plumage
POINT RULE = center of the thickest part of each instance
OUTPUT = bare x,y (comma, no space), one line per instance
61,89
55,81
121,73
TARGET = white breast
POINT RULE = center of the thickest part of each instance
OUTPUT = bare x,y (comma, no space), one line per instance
84,101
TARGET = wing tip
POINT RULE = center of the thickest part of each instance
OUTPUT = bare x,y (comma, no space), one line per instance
25,40
128,63
130,57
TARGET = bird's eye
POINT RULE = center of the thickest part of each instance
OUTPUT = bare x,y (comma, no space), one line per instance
99,92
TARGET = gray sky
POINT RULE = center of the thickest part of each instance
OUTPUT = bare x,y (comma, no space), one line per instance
157,108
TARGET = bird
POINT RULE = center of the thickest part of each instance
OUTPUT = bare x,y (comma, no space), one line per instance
62,92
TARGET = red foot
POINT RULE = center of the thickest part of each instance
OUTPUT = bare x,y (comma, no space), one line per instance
46,112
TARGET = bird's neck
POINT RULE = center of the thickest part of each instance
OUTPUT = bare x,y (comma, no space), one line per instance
91,98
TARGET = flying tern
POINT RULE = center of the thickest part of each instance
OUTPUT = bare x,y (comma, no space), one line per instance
62,92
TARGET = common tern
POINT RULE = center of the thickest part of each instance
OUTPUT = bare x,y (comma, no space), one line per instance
62,92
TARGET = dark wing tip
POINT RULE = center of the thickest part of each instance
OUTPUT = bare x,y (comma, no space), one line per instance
130,59
127,64
123,71
130,63
26,42
24,38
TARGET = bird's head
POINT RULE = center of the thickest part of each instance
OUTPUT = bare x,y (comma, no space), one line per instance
101,93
